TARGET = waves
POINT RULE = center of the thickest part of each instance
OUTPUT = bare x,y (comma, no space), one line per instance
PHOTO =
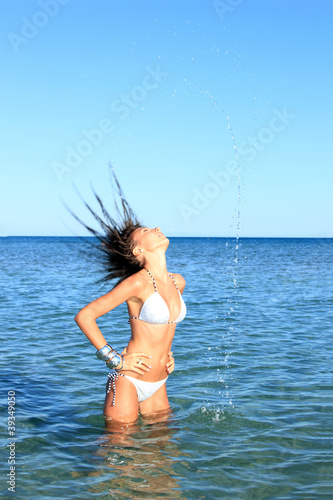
251,394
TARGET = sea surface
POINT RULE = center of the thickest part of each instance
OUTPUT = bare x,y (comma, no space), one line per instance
252,392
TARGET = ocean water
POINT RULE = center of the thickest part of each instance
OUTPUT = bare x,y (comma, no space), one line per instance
252,393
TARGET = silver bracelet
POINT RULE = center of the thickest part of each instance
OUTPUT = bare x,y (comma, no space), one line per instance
114,361
103,352
118,369
110,355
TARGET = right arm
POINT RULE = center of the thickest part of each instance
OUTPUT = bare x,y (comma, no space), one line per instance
86,317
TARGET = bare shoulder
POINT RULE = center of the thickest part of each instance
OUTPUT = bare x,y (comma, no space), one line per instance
180,280
135,280
135,284
128,289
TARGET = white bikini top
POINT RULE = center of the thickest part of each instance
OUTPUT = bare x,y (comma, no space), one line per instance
155,311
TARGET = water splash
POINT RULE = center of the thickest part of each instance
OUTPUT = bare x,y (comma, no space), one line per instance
237,210
233,267
214,103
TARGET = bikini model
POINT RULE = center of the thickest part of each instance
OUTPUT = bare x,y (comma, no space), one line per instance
155,312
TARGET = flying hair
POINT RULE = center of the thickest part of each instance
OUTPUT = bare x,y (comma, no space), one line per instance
115,241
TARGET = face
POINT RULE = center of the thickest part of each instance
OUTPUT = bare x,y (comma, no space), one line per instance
148,240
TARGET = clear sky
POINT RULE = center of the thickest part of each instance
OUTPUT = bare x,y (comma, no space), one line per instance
216,115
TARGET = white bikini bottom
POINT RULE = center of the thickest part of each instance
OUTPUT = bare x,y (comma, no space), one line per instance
144,389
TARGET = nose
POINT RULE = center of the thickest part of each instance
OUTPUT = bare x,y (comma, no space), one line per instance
157,229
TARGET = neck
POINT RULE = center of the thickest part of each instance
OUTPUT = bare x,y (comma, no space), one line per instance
156,265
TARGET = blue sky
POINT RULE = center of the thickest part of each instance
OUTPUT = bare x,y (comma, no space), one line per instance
215,115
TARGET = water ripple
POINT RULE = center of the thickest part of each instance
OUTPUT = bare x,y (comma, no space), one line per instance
252,394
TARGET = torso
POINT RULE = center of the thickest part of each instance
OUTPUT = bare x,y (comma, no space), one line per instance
149,336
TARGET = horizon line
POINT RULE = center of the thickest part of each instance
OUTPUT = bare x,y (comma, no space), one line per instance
187,236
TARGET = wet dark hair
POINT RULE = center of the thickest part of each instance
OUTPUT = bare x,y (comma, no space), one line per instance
116,243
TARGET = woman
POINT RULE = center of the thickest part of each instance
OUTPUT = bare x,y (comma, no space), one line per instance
136,255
